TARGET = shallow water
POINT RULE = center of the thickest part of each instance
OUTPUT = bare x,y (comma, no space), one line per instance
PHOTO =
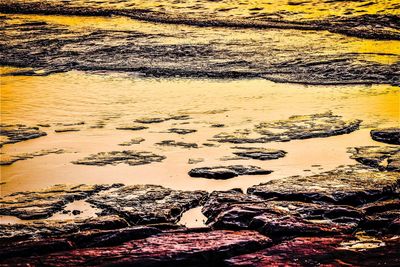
115,100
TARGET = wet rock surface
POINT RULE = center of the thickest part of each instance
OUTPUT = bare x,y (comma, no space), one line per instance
177,144
259,153
327,251
279,219
144,204
10,159
43,204
295,127
16,133
129,157
178,249
226,172
384,158
387,135
339,187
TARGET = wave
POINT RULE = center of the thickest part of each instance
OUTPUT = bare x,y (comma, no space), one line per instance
293,56
367,26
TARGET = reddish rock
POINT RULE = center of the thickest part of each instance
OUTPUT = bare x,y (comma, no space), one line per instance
326,251
170,249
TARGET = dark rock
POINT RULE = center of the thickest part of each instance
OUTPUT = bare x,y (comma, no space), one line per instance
339,187
133,141
226,172
217,125
17,133
384,158
161,119
295,127
259,153
278,219
129,157
169,249
382,216
324,251
132,127
10,159
43,204
145,204
181,131
175,143
387,135
69,129
11,233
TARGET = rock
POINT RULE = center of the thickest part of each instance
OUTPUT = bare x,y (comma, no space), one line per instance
133,141
384,158
175,143
10,159
68,129
181,131
35,230
339,187
278,219
17,133
135,127
196,160
226,172
259,153
43,204
169,249
145,204
217,125
382,216
323,251
149,120
386,135
129,157
295,127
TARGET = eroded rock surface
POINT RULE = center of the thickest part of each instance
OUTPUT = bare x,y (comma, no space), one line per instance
278,219
129,157
295,127
10,159
259,153
326,251
226,172
177,249
43,204
16,133
177,144
386,135
144,204
384,158
340,187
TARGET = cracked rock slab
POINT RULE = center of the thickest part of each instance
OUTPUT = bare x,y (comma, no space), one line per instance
147,204
226,172
294,128
278,219
16,133
259,153
339,187
129,157
386,135
43,204
168,249
384,158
